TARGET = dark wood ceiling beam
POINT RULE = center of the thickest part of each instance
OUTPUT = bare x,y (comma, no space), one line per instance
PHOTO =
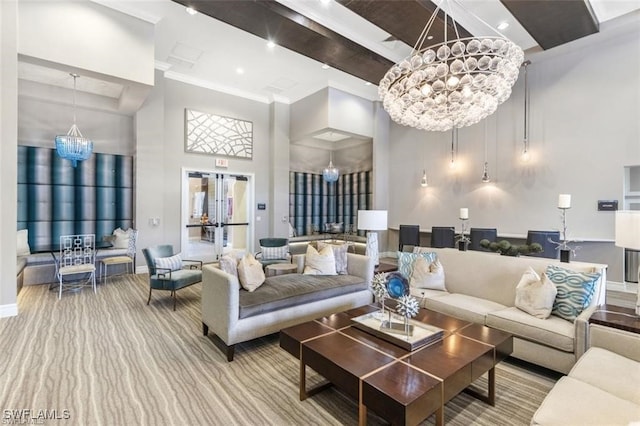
272,21
552,23
405,19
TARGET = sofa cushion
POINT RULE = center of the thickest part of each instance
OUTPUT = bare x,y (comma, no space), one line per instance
173,263
339,254
422,294
179,279
22,243
250,273
535,295
553,331
406,261
427,274
575,290
572,402
274,253
229,265
320,262
288,290
610,372
465,307
121,240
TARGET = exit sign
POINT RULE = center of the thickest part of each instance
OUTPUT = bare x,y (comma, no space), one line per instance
222,162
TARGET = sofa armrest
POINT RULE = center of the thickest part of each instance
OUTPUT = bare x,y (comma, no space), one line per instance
220,301
581,331
360,266
621,342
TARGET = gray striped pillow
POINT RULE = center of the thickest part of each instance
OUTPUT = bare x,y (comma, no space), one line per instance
173,263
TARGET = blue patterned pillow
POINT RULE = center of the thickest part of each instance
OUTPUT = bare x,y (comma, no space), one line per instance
575,291
406,261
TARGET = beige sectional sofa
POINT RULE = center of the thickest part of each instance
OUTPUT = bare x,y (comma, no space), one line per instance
235,315
602,388
481,287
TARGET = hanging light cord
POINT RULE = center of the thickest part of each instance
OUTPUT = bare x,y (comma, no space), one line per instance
526,106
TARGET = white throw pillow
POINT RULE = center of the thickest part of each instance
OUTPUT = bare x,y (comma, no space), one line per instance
427,275
229,265
121,240
22,244
340,254
535,295
320,262
250,273
174,263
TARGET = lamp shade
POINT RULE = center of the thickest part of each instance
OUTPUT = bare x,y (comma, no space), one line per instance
628,229
372,220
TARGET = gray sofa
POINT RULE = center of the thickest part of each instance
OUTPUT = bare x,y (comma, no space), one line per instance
235,315
481,287
602,388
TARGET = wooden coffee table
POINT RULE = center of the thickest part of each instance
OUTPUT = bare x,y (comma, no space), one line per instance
401,386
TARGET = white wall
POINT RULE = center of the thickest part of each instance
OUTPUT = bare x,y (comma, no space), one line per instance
8,156
89,36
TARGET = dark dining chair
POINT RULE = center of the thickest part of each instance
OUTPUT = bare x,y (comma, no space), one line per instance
443,236
409,235
542,237
479,234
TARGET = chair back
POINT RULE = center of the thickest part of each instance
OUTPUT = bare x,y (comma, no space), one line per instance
153,252
131,248
79,249
443,236
549,250
409,235
479,234
274,242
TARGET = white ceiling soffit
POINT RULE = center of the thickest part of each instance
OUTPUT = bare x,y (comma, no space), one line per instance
606,10
332,136
332,146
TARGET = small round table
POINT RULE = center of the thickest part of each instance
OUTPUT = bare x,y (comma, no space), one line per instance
280,269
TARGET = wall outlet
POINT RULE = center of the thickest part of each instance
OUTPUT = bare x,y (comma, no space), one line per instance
154,221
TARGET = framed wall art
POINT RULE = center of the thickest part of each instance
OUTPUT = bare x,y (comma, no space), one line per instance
217,135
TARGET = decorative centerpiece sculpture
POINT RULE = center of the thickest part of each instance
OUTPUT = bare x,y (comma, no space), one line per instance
397,287
379,290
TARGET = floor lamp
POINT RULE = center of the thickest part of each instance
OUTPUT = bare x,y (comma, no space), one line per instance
371,221
628,237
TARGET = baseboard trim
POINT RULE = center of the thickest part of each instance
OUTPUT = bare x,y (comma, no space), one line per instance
622,287
10,310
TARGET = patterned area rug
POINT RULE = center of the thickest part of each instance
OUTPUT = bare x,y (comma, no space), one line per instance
108,358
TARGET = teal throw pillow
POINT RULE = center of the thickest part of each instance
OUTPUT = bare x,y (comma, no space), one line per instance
575,291
406,261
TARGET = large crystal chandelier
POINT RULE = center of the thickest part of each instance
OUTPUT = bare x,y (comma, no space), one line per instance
73,146
452,84
330,173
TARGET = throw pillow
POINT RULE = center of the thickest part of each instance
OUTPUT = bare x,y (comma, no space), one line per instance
121,240
229,265
575,291
535,295
340,254
406,261
320,262
273,253
22,243
250,273
427,275
174,263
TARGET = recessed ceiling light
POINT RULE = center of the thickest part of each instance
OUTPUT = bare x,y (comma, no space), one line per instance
503,26
240,70
325,67
191,11
325,1
271,44
368,83
429,37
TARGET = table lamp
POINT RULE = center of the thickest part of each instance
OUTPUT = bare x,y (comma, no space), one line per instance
628,237
371,221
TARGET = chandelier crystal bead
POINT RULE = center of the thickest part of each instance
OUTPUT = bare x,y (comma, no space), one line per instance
455,83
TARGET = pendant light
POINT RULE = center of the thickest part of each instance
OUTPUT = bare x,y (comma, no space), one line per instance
454,147
423,181
525,140
73,146
330,173
485,170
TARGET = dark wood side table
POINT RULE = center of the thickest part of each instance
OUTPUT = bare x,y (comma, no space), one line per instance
385,267
616,317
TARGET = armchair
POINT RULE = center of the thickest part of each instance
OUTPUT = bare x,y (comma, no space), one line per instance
273,250
166,270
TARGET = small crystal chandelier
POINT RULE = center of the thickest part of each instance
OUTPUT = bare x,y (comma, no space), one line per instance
455,83
73,146
330,173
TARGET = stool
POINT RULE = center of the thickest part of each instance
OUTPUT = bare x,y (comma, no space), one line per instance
280,269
